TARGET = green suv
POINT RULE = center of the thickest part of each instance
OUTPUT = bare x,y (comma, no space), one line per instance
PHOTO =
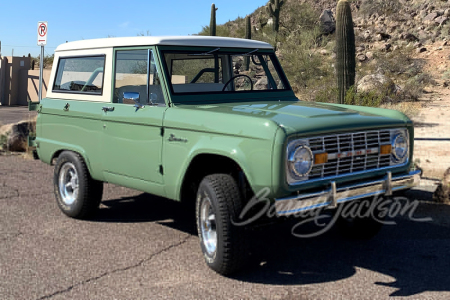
211,121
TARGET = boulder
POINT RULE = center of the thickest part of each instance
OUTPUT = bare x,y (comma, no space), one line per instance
374,82
409,37
441,20
421,50
361,57
442,193
360,48
327,21
261,84
431,17
16,135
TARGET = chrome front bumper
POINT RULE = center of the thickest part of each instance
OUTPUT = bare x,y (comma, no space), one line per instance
334,195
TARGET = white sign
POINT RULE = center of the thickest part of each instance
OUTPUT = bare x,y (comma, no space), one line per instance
42,33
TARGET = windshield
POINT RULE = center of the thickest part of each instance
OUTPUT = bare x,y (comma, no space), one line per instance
216,71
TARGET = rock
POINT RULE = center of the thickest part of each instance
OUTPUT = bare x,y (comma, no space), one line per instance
387,47
421,50
261,84
360,48
430,17
375,82
369,55
361,57
442,193
327,21
441,20
324,52
17,135
367,34
378,38
381,36
409,37
447,12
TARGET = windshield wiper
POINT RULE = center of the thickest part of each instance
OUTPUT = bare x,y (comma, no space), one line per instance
206,53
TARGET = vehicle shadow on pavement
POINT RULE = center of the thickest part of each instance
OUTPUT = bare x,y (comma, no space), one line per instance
414,254
148,208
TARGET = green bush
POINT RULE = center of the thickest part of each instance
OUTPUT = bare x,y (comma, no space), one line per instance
381,7
372,98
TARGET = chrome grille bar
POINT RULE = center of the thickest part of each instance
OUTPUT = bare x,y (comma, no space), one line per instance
350,152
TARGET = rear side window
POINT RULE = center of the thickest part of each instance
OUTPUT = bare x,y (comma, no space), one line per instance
80,75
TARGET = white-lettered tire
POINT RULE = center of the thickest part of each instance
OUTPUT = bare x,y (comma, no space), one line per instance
77,194
223,244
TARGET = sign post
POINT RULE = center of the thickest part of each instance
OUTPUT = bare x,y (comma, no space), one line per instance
41,41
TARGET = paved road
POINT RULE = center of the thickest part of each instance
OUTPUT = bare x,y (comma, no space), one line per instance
14,114
143,247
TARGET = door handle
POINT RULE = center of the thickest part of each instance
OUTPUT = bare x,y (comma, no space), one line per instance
107,108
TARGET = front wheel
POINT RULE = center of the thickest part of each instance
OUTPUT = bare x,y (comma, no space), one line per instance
223,244
77,194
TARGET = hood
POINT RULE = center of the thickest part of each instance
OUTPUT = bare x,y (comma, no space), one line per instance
306,117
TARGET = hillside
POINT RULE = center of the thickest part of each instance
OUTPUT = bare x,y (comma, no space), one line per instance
394,39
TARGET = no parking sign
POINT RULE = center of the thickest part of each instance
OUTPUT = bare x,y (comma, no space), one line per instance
42,33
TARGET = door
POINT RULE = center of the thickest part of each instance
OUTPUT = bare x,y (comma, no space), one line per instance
132,140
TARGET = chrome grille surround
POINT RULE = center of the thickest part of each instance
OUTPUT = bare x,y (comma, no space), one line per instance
348,153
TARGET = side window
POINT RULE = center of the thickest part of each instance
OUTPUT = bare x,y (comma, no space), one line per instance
132,68
80,75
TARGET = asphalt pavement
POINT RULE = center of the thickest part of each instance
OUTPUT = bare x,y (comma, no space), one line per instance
144,247
14,114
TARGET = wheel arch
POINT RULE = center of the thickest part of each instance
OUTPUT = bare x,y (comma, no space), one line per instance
206,164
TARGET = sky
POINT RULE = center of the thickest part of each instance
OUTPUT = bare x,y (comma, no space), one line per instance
71,20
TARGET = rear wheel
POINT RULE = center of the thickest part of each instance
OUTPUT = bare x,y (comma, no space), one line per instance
223,244
77,194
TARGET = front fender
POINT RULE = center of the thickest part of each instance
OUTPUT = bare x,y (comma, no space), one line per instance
253,155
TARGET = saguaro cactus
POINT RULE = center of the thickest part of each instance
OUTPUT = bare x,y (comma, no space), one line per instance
345,48
212,24
248,35
273,8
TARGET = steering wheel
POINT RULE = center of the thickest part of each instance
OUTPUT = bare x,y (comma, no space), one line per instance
234,77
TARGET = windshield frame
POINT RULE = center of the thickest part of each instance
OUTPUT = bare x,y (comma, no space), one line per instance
229,96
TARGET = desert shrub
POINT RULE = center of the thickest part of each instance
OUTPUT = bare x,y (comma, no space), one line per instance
296,17
380,7
221,30
371,98
3,141
302,62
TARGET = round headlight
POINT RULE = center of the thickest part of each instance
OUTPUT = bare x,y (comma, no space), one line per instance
400,147
301,161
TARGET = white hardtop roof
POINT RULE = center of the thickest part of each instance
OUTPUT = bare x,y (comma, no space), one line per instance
206,41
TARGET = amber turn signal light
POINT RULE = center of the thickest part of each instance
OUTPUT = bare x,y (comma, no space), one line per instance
385,149
320,158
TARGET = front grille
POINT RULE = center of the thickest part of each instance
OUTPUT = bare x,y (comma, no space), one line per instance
350,152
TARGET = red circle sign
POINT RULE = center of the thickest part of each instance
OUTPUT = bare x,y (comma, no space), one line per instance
42,29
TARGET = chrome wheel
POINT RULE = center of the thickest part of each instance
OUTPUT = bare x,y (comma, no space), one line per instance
208,225
68,183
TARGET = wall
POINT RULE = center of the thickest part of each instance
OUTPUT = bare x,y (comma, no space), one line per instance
30,86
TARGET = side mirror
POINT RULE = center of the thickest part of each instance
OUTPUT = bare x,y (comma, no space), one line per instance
131,96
